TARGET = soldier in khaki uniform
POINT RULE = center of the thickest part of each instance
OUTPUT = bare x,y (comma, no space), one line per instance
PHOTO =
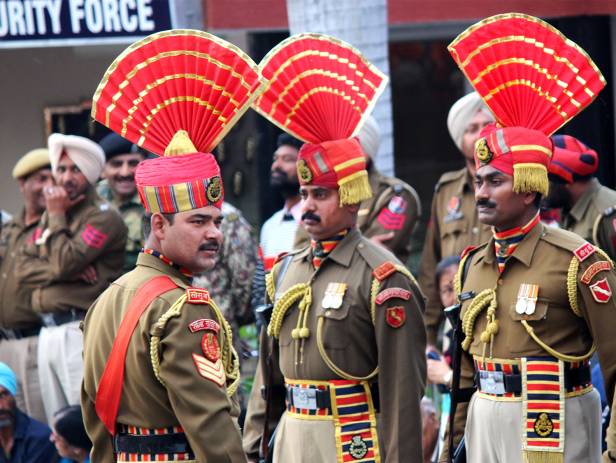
161,370
453,223
118,188
77,250
19,324
347,341
536,302
390,215
575,189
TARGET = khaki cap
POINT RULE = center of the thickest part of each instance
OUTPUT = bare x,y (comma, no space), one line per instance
31,162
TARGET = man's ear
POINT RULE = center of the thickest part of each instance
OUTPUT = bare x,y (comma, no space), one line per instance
352,208
21,181
529,198
159,226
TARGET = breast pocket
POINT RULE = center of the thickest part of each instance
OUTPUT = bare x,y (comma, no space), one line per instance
451,235
518,339
335,323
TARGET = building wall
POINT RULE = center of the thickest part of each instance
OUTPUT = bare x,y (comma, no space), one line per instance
31,80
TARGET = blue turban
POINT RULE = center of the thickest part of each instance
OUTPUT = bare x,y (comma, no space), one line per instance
7,378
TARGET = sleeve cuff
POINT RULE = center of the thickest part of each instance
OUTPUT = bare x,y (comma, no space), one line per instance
37,300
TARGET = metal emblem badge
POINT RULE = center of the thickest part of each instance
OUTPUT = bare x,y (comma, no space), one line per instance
543,425
527,299
358,448
214,190
482,151
209,345
492,382
334,294
303,171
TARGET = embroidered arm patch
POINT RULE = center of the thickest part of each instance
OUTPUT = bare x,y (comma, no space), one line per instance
212,371
584,251
391,293
384,270
197,296
93,238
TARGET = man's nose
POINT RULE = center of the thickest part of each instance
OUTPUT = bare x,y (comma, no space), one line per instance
125,170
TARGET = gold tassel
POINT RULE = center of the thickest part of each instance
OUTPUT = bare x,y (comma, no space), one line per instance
530,177
543,457
180,144
355,188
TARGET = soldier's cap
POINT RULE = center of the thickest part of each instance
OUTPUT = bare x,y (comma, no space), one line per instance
572,159
31,162
115,145
370,137
85,153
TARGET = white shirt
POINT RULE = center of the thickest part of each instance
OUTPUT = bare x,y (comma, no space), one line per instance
277,235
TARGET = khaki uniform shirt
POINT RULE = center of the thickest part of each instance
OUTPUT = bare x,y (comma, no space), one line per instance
393,207
585,212
91,233
132,213
187,399
15,308
453,226
354,343
542,258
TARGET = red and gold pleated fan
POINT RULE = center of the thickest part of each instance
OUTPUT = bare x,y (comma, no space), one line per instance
173,81
528,72
319,88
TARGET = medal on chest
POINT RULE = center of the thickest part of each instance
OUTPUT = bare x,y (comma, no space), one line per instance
334,294
527,299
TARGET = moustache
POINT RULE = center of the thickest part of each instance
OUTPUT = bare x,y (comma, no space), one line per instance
310,216
485,203
211,245
280,173
123,178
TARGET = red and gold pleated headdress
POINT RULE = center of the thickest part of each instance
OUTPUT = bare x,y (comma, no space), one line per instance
534,80
321,90
177,93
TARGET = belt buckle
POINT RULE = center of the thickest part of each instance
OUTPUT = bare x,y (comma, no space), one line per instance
492,382
305,398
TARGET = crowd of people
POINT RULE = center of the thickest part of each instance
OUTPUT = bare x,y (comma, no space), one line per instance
126,278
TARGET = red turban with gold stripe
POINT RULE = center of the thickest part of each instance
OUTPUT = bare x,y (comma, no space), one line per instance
534,80
321,90
177,94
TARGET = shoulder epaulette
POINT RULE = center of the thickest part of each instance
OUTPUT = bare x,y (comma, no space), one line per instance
384,270
467,250
584,251
448,177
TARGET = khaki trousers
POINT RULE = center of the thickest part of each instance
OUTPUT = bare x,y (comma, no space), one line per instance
60,356
305,441
493,430
21,356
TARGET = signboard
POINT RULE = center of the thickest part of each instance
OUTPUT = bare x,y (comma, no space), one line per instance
36,23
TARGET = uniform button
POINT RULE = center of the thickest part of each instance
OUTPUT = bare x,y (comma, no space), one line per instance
328,313
360,245
475,230
500,281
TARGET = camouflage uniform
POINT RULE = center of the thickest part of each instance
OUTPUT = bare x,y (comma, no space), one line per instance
132,213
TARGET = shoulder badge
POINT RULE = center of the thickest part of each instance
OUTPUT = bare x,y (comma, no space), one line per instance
392,217
392,293
584,251
453,210
209,345
197,296
595,268
384,270
601,291
204,324
92,237
395,316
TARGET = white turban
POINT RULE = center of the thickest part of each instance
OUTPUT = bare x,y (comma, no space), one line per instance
370,137
87,155
461,114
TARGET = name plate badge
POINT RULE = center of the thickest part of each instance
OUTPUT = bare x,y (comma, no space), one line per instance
492,382
304,398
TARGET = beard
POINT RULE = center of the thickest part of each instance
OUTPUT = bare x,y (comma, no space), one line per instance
281,183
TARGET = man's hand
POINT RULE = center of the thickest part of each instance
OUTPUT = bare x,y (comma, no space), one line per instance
380,239
88,275
58,201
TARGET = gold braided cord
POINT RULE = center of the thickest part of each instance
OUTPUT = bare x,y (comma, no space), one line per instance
331,364
604,254
283,304
173,311
374,291
574,266
457,281
270,286
407,273
554,353
486,299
